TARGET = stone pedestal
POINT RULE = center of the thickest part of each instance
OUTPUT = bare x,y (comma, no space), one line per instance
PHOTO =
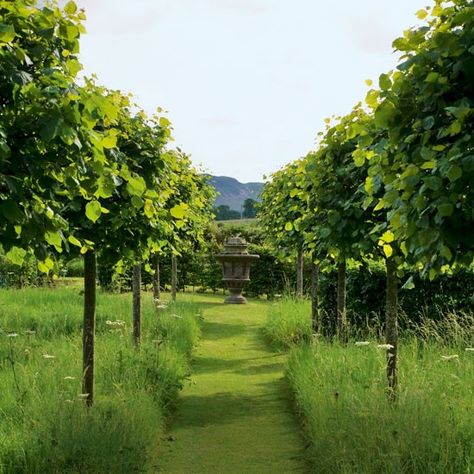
235,262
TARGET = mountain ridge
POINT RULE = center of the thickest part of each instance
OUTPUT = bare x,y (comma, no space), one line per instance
233,193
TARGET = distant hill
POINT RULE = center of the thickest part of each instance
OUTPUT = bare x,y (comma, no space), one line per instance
233,193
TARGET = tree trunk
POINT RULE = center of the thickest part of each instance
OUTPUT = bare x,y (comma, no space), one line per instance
156,277
315,297
391,328
88,332
174,276
299,274
341,301
137,314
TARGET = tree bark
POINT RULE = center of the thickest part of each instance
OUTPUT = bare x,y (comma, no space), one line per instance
299,273
391,328
174,276
88,332
137,313
315,297
156,277
341,301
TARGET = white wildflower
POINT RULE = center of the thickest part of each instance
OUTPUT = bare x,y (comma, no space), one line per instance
450,357
68,377
48,356
83,396
362,343
12,334
469,349
161,306
30,332
385,346
69,401
116,323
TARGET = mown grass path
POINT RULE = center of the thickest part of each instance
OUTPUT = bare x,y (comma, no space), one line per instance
234,416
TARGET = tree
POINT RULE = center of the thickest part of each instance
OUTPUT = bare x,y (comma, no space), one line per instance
426,108
249,209
225,213
280,212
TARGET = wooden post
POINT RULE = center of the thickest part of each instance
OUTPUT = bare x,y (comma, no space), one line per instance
315,297
136,287
299,273
341,301
88,332
174,276
156,277
391,328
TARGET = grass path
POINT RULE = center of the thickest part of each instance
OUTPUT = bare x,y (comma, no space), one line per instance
234,416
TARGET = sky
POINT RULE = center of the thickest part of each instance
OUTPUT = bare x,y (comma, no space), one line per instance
246,83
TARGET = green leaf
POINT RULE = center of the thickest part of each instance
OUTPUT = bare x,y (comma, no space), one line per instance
11,211
428,122
109,141
69,32
7,33
384,114
74,241
385,82
454,172
70,8
46,265
53,238
288,226
137,202
16,255
428,165
93,210
388,237
445,210
178,211
387,250
409,285
446,253
421,14
371,99
136,186
359,157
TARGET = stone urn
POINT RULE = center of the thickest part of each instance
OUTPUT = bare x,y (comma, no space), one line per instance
235,261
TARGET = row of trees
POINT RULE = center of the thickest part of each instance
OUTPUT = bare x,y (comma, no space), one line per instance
223,212
393,179
83,171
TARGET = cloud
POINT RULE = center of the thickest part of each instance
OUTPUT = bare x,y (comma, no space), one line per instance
369,35
247,6
220,121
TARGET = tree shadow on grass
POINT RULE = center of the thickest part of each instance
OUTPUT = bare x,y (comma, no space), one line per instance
205,365
223,408
261,369
213,331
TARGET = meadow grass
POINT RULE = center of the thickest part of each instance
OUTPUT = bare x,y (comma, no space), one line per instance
339,391
45,426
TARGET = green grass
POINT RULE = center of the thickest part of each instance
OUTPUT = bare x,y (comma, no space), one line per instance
234,415
240,222
45,425
287,322
339,391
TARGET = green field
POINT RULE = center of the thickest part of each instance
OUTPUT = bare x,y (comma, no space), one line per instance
235,401
339,392
238,222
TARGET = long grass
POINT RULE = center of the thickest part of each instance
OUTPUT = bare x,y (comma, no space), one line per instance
45,426
339,391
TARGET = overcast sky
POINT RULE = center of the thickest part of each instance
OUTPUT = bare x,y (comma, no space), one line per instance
247,83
